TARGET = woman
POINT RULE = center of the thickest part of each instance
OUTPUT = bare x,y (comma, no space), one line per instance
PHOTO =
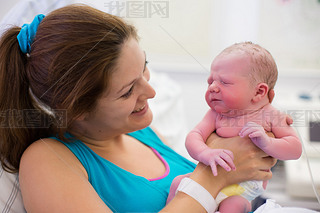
86,144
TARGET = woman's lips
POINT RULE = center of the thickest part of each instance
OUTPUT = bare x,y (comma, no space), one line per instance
141,110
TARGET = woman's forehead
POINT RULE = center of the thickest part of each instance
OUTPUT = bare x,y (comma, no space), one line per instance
130,65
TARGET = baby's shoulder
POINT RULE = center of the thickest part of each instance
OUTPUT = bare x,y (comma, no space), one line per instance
273,114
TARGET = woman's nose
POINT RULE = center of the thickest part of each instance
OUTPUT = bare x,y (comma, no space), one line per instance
150,92
213,87
147,90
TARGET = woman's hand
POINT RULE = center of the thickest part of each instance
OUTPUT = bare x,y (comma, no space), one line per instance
251,162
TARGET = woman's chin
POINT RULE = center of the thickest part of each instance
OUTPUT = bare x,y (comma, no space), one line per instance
142,121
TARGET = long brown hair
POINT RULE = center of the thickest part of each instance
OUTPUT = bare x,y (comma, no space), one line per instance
73,55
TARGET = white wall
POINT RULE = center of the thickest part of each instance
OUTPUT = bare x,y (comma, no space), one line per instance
194,33
6,6
186,34
290,30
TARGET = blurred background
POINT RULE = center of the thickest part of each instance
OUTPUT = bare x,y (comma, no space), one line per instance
181,38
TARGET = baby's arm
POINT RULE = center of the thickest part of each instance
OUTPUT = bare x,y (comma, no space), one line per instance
197,148
286,144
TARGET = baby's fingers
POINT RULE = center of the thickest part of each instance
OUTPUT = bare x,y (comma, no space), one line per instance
214,168
226,164
246,131
255,135
228,152
249,128
227,157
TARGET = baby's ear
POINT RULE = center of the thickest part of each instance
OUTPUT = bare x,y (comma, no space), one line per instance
261,92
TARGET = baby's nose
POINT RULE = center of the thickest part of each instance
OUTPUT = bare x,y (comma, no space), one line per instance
213,87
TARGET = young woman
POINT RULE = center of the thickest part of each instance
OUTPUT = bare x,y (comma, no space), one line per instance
75,98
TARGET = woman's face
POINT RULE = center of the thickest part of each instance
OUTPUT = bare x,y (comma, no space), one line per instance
124,108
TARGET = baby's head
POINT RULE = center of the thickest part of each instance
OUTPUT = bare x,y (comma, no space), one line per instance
263,67
240,79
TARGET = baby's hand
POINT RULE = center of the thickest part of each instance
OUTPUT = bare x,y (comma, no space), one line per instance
256,133
214,157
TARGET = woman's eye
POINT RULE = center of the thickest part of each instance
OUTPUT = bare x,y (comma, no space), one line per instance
145,65
127,94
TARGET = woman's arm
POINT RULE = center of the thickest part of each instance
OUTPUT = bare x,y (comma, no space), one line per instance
64,187
251,164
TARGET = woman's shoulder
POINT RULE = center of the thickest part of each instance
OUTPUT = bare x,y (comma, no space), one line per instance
45,147
50,174
44,144
46,154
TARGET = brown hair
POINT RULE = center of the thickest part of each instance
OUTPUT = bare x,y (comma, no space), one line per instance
73,55
264,68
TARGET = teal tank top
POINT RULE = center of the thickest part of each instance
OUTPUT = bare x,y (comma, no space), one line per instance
123,191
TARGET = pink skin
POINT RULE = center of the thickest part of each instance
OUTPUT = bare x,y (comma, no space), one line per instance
235,204
228,94
233,97
229,90
174,186
234,100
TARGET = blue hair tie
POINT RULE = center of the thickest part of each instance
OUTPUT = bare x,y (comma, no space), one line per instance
27,33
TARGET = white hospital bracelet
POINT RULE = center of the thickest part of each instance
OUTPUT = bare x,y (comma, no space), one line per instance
197,192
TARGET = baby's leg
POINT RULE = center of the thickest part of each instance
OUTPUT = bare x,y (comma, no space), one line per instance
174,185
235,204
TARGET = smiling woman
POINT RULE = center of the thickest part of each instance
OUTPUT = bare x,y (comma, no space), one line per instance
100,152
124,103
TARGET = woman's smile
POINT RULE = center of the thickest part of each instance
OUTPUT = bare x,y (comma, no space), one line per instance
141,110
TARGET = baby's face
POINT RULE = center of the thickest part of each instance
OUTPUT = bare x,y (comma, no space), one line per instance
229,86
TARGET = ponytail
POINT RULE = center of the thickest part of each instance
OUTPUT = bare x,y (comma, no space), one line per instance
19,118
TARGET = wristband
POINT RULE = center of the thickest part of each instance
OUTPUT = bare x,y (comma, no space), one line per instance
197,192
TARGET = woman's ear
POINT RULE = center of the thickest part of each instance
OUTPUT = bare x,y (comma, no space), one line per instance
261,92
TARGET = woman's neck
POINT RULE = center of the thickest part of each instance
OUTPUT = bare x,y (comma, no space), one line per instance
96,138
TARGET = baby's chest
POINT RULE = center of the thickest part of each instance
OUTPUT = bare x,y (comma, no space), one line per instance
230,127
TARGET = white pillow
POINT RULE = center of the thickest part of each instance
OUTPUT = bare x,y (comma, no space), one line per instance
272,207
10,194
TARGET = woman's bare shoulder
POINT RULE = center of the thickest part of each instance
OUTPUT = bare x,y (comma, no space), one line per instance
51,177
49,152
